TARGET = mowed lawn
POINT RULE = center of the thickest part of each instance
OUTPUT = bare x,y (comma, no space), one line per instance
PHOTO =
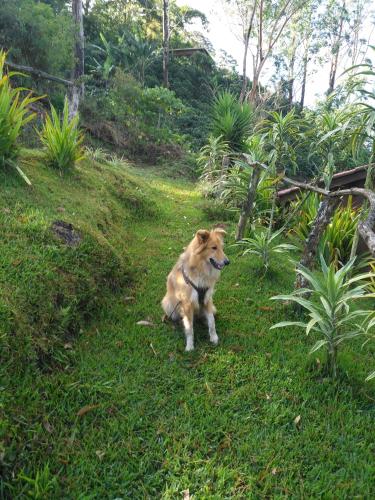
136,417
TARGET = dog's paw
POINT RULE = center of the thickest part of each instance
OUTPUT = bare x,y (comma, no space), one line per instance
214,339
189,348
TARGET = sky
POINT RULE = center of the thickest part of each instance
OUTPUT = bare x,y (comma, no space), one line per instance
221,33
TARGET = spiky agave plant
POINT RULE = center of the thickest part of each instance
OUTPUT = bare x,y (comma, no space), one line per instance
329,300
14,115
232,121
62,139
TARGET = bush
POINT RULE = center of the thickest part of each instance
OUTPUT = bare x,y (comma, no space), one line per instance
62,139
142,121
14,115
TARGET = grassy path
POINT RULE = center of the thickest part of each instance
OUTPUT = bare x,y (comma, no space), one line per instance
219,422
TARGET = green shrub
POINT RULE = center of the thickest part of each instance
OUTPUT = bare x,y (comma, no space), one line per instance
232,121
62,139
14,115
141,121
331,306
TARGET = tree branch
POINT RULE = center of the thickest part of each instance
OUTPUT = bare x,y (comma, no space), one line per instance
365,228
38,73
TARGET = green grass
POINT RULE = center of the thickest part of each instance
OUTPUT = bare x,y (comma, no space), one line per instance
219,421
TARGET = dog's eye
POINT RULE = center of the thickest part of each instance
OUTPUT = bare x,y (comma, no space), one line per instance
214,248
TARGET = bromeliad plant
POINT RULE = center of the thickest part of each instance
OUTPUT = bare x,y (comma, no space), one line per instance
14,115
330,300
62,139
337,240
265,244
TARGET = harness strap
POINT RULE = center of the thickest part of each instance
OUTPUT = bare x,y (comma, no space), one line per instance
200,290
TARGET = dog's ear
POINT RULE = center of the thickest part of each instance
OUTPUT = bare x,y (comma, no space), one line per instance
220,231
202,236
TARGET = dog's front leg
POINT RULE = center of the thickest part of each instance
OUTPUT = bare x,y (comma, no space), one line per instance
209,313
187,319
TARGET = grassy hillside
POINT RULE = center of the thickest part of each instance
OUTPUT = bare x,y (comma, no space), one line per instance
95,406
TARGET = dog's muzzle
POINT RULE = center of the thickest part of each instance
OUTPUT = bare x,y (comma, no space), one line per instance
219,265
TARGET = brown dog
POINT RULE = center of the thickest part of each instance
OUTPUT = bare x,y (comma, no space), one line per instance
190,284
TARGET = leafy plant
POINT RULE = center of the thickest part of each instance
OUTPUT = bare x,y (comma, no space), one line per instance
265,244
231,120
14,115
330,138
62,139
282,135
337,240
330,300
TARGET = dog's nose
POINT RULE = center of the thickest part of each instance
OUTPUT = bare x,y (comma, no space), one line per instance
226,262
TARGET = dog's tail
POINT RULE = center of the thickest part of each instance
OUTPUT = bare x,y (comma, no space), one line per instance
171,308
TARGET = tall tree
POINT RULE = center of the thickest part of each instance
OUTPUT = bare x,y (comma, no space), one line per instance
341,14
166,43
271,19
78,88
244,13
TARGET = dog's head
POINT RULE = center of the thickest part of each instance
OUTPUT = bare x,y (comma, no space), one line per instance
210,246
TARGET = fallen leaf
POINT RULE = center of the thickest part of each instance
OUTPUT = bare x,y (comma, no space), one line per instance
265,308
153,350
297,420
68,345
237,348
236,284
16,262
144,322
128,299
86,409
48,427
119,343
60,209
100,454
268,397
208,388
274,471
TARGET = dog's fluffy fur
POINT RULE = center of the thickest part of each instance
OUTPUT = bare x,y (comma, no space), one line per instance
202,262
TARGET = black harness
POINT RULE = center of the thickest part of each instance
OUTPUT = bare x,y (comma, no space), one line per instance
200,290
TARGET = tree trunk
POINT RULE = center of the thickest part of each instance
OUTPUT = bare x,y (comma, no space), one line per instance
78,89
248,205
291,73
304,79
369,184
166,43
326,210
244,71
332,360
273,210
246,49
253,96
336,51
